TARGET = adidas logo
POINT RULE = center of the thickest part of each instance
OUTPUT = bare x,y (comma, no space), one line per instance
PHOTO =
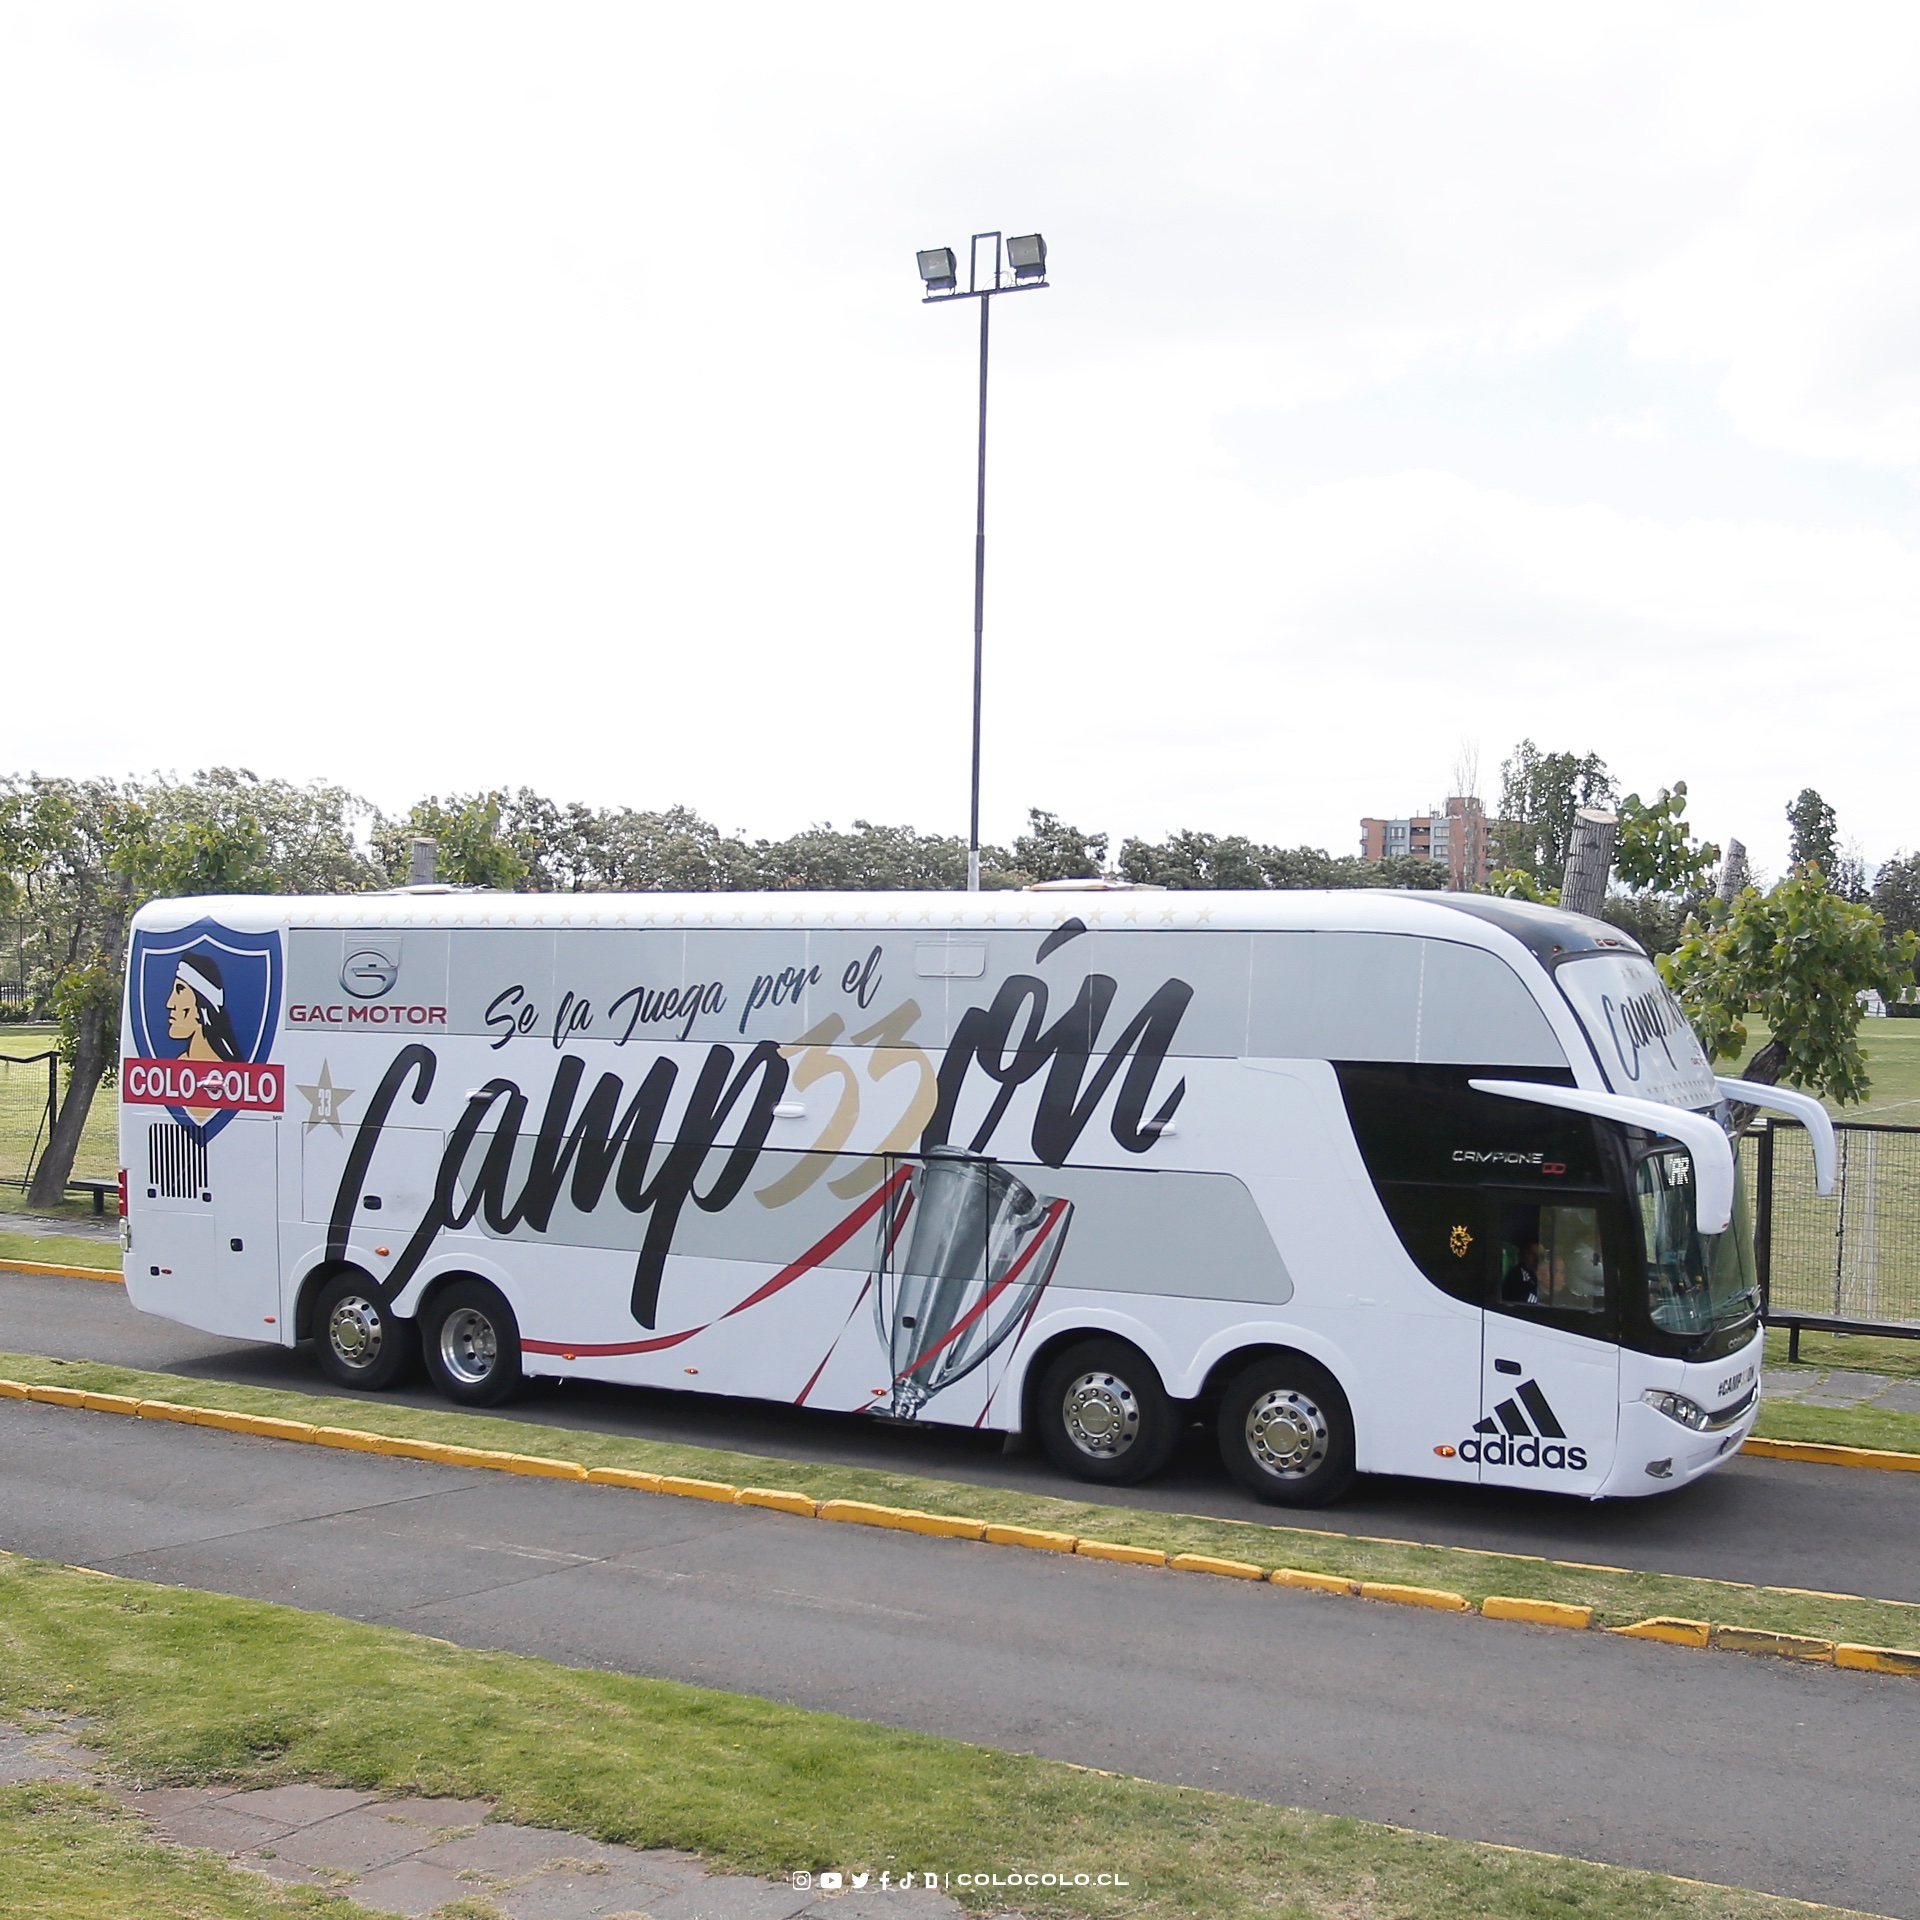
1505,1439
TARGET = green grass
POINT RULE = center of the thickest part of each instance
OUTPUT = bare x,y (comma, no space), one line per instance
23,1107
68,1853
189,1687
1892,1048
61,1250
1619,1595
1855,1352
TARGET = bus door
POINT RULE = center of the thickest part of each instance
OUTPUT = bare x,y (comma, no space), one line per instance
243,1275
204,1243
1550,1356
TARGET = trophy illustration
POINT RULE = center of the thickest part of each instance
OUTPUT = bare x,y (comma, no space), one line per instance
965,1252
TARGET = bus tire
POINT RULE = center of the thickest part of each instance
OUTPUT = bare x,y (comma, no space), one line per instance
358,1340
1286,1432
1103,1414
471,1343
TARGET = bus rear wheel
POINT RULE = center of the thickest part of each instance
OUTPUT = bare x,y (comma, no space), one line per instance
1286,1433
1103,1414
472,1344
359,1341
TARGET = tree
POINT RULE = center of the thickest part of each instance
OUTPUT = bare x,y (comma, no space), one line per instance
1666,874
1797,958
1052,850
1815,831
80,855
1896,894
1187,859
1539,795
478,844
871,857
1656,851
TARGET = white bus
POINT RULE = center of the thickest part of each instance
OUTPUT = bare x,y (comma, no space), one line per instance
1427,1184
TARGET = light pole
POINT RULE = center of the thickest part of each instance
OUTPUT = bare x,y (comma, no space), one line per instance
1019,266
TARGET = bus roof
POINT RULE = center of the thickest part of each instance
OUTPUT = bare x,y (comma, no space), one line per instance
1546,932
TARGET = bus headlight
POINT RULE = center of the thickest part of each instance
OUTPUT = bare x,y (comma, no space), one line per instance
1676,1406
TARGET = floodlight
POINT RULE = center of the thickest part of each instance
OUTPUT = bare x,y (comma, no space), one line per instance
937,269
1027,253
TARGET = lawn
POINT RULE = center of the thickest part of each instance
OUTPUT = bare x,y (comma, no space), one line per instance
1892,1048
68,1853
183,1688
23,1110
1618,1595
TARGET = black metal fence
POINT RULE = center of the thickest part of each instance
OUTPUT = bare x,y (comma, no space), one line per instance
1844,1262
27,1108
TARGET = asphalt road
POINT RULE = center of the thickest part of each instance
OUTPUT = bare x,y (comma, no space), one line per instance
1771,1522
1760,1773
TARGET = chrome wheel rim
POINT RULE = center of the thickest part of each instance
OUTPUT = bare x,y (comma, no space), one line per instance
355,1330
1287,1433
1101,1415
469,1347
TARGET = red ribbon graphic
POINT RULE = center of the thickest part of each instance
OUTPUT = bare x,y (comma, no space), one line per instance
828,1244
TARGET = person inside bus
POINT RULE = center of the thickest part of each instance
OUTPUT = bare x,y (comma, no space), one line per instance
197,1010
1520,1276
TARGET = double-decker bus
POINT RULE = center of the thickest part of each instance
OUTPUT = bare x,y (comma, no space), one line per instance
1379,1182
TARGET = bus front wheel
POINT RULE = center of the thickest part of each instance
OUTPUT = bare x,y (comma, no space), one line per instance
472,1344
1286,1433
1103,1414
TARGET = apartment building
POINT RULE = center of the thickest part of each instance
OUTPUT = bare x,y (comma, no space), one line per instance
1453,836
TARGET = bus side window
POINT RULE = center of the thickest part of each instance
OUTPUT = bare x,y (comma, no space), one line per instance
1444,1232
1551,1258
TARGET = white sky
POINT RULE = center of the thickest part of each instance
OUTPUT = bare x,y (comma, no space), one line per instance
440,396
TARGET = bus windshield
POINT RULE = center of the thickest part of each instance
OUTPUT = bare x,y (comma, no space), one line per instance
1696,1283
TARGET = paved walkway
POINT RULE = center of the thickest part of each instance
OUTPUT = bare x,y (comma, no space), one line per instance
414,1857
69,1226
1839,1387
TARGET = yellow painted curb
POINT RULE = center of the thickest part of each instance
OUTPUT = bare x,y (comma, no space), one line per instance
800,1504
1036,1537
1313,1582
698,1489
1113,1550
1821,1454
867,1513
61,1273
110,1403
539,1468
12,1390
267,1426
1876,1659
170,1410
1206,1563
57,1396
858,1513
1676,1633
1435,1597
1540,1613
350,1439
1787,1646
942,1526
628,1477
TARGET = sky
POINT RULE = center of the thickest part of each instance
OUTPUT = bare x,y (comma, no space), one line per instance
434,397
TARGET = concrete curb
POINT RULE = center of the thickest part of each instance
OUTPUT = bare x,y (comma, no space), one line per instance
1820,1453
865,1513
60,1273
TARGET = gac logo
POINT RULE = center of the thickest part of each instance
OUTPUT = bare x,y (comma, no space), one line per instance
369,973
